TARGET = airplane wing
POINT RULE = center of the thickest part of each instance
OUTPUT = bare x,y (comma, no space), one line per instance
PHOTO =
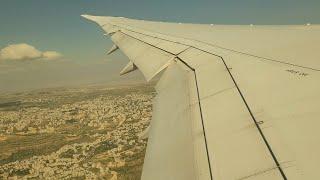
233,102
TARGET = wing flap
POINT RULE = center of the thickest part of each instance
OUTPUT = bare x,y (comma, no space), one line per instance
148,59
228,132
171,155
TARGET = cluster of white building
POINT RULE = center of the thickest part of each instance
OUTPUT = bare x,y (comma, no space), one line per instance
127,115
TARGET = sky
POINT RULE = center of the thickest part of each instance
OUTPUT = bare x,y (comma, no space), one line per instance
67,50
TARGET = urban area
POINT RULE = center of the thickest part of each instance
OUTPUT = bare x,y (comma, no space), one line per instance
91,132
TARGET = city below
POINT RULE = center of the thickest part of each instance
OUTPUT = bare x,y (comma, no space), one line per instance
74,133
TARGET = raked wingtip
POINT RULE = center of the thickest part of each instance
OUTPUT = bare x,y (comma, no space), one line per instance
89,17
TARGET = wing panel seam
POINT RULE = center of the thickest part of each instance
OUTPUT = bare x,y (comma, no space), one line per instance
256,123
216,46
198,96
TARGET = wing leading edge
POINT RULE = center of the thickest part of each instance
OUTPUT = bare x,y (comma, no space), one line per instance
220,113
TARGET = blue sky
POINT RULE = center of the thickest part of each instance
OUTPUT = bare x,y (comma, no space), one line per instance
56,24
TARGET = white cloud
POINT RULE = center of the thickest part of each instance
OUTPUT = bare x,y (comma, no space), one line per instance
26,52
50,55
19,52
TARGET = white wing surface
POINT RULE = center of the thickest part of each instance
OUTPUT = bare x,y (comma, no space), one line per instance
233,102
